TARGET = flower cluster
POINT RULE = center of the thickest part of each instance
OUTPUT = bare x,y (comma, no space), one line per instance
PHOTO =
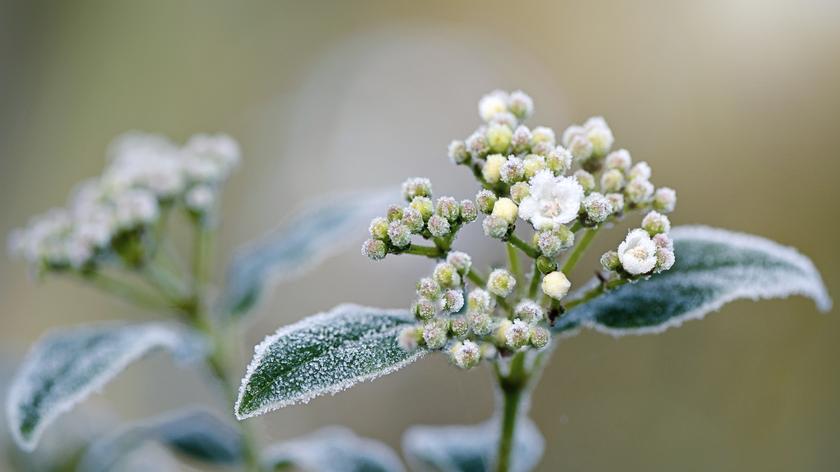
116,213
644,251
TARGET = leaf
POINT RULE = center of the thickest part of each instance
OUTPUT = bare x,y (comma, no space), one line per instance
470,448
196,433
318,231
713,267
66,366
324,353
335,449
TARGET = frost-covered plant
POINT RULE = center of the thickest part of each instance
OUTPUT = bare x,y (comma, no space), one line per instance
542,199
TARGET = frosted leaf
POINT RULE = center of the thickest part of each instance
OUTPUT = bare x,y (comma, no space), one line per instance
470,448
324,353
713,267
334,449
320,230
67,365
196,433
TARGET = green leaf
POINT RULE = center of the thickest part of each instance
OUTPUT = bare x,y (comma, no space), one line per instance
66,366
319,231
713,267
324,353
335,449
470,448
195,433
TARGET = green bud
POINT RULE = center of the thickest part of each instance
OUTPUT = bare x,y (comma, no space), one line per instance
399,234
533,163
438,226
519,191
453,300
435,333
539,337
664,200
546,265
558,160
499,137
424,309
655,223
480,323
458,153
468,211
521,140
495,227
485,200
612,181
448,208
424,205
586,180
446,275
460,260
465,355
479,301
427,287
416,187
395,213
500,282
375,249
459,327
378,228
610,260
413,220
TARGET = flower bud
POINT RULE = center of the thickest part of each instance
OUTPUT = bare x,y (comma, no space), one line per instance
378,228
520,141
506,210
559,160
499,137
616,202
457,152
428,288
541,149
416,187
581,148
488,351
638,191
664,241
394,213
200,198
492,104
409,338
549,243
448,208
480,301
399,234
423,205
520,104
599,135
655,223
505,118
424,309
480,323
533,163
517,334
664,259
460,260
546,265
465,355
640,171
435,333
610,260
519,191
413,220
495,227
500,282
453,301
572,132
612,180
512,171
556,285
619,160
375,249
528,311
586,180
596,207
664,200
438,226
500,335
468,211
446,275
477,145
541,134
539,337
491,171
459,327
484,200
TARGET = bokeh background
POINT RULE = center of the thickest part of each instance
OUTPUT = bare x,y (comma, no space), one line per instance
735,103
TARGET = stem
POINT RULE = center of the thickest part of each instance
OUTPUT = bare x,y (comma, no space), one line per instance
126,291
535,282
515,267
163,280
531,251
476,278
597,291
428,251
587,238
513,387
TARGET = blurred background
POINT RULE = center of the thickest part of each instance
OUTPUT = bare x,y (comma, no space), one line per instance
735,103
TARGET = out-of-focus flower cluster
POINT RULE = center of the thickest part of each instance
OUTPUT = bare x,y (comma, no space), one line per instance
116,213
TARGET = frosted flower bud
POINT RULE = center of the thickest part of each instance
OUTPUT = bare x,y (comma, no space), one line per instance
637,252
135,207
495,227
500,333
640,171
655,223
664,241
500,282
541,149
506,210
520,104
664,259
480,301
428,288
453,301
519,191
200,198
546,265
552,201
581,148
468,211
586,180
477,145
409,338
559,160
610,261
378,228
542,134
600,135
491,171
639,191
488,351
572,132
517,334
375,249
465,355
448,208
413,220
498,137
460,260
399,234
556,285
435,333
423,205
505,118
425,309
612,180
416,187
457,152
394,213
513,170
480,323
520,141
664,200
532,164
447,275
528,311
619,160
552,242
539,337
492,104
597,207
459,326
485,200
616,202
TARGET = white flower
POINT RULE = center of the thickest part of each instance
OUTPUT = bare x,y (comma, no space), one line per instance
147,161
200,198
552,201
492,104
637,253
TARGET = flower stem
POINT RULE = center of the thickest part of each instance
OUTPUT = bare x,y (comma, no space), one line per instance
596,292
535,282
125,291
531,251
515,267
513,387
428,251
575,256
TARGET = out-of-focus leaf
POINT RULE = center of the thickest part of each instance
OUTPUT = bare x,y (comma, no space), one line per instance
319,231
713,267
67,365
324,353
333,449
